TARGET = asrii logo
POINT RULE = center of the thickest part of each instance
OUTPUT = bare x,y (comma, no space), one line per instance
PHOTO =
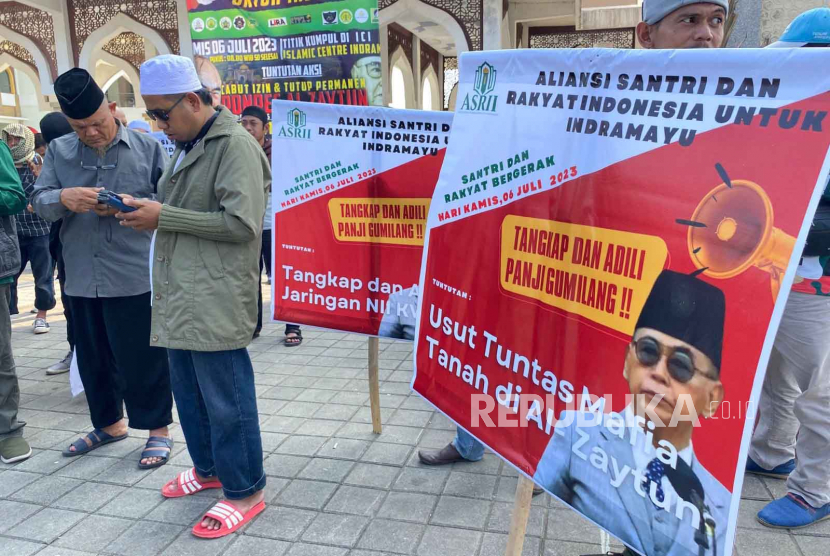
295,125
481,100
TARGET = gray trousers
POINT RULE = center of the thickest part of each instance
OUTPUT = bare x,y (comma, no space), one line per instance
795,401
9,388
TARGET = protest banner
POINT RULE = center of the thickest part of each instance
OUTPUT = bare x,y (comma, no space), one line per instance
351,191
324,51
166,144
604,251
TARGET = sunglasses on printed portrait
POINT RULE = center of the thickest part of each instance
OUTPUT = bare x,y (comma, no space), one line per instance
679,361
163,115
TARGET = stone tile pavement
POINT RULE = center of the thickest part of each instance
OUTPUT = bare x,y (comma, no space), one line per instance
334,488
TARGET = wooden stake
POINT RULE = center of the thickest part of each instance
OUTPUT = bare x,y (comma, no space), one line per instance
374,384
521,511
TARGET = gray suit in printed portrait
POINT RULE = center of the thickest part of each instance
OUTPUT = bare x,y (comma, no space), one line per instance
622,511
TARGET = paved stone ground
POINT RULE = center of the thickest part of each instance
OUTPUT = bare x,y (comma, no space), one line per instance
334,488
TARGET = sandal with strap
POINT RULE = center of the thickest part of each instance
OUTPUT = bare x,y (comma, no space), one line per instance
156,447
230,518
293,338
97,438
187,484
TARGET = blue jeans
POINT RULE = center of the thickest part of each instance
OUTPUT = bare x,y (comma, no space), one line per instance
35,250
467,445
216,400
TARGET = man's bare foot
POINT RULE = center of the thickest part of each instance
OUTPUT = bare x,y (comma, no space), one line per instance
156,432
117,429
244,506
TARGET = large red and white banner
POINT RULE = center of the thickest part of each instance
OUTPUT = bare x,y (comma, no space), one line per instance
351,192
605,247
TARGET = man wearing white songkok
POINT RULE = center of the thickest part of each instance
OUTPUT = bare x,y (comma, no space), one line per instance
205,271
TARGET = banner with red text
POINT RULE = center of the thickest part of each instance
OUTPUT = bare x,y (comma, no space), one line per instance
311,50
351,191
605,247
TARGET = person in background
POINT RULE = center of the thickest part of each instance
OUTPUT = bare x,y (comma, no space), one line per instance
121,116
205,269
53,126
13,447
792,439
140,126
40,144
107,271
681,24
32,230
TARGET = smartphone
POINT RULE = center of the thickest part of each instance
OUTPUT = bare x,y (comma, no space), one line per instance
113,200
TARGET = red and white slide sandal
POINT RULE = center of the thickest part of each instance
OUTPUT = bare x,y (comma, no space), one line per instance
229,516
187,484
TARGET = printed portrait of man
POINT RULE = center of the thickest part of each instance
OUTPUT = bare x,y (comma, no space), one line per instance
209,78
369,68
640,481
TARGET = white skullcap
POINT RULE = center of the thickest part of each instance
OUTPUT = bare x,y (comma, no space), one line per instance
169,74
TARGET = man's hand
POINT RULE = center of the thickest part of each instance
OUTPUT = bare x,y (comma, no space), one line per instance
102,209
30,209
35,168
80,199
143,219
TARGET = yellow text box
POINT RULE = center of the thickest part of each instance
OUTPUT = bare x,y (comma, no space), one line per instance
388,221
601,274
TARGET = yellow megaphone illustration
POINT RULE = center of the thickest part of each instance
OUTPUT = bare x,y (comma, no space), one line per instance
732,230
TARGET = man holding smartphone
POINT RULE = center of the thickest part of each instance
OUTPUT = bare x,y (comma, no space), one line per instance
107,274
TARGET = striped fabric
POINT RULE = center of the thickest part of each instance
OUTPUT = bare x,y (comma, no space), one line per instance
188,482
226,513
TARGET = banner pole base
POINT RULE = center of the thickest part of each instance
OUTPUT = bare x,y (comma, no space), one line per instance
374,384
521,512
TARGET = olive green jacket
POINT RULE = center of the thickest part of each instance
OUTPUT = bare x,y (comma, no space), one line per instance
12,201
206,256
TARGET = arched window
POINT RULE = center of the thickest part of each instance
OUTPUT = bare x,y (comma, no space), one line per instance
6,82
398,88
427,95
121,92
430,93
453,96
401,82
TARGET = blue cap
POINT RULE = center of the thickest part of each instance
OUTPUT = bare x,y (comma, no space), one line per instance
139,124
811,27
